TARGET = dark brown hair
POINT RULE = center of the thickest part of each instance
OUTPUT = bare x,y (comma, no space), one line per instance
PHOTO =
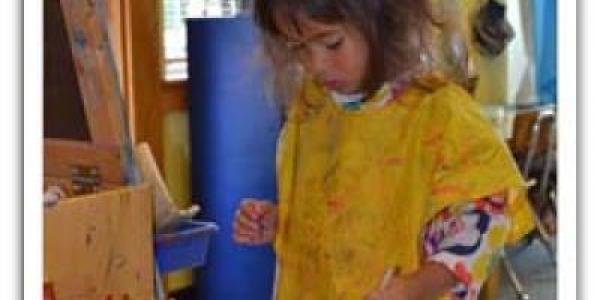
395,30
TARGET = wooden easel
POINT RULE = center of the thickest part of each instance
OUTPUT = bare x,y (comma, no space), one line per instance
106,161
97,241
96,70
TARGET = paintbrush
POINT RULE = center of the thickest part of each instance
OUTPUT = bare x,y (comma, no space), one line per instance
388,276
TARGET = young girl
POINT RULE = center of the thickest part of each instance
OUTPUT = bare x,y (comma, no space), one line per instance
391,182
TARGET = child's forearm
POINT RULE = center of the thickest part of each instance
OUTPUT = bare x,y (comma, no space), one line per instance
432,281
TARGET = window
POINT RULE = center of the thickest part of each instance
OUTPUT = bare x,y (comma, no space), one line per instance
174,13
174,39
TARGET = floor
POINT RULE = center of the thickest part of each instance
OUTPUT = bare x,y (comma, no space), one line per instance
535,270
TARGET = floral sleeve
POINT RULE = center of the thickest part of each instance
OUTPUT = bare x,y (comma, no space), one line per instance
467,239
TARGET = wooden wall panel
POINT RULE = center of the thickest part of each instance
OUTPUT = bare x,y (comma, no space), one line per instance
150,96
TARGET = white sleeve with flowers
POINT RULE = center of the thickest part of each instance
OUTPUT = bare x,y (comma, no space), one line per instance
467,239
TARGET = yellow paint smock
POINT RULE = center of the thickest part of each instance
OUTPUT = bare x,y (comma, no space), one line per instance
357,187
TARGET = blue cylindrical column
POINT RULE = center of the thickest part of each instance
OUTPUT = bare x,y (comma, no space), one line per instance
233,139
544,15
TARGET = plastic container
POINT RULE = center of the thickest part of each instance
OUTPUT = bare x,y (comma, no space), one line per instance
185,247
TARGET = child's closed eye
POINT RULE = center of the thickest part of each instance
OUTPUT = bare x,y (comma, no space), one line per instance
335,44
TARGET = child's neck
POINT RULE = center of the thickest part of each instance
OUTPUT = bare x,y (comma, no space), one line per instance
341,98
390,91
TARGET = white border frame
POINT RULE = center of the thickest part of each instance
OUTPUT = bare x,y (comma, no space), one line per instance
32,149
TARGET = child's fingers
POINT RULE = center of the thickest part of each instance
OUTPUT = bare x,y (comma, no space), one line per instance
253,221
256,208
262,206
243,239
268,215
242,235
251,208
374,295
248,238
248,213
240,230
242,221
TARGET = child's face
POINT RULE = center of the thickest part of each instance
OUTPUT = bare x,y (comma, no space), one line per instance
334,54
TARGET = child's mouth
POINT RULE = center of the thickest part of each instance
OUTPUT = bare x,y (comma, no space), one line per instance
332,84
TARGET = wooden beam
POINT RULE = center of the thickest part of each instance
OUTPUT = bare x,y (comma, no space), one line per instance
86,23
60,156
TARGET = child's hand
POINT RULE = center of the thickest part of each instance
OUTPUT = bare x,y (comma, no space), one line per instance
255,222
396,287
428,283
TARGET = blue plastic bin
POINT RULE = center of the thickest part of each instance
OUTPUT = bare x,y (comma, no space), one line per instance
185,247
